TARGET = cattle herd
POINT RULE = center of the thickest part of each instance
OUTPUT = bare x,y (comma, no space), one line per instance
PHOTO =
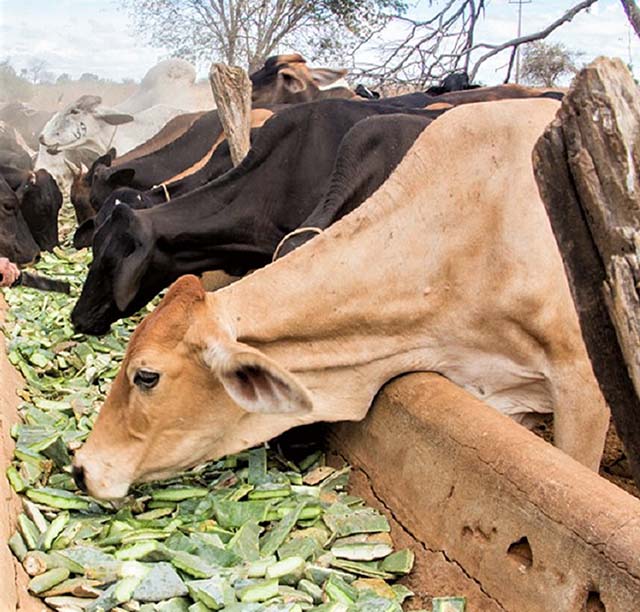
427,248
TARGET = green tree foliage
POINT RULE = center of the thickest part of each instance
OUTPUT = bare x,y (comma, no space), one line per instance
246,32
544,64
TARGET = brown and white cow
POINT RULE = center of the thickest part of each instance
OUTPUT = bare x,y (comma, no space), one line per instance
287,79
450,267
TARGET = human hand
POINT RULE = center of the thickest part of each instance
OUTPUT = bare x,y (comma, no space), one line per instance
9,272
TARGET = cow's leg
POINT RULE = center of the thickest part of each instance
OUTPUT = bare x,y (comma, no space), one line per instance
581,416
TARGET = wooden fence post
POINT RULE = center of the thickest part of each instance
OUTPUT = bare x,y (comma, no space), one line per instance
587,165
231,89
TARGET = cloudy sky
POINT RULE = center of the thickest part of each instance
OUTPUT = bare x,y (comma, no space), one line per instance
77,36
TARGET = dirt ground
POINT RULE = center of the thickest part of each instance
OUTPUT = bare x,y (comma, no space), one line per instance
614,466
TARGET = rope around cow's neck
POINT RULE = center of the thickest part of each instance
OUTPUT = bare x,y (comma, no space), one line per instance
113,135
167,197
295,232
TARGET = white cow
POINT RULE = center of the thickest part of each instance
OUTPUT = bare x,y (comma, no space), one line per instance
171,82
87,126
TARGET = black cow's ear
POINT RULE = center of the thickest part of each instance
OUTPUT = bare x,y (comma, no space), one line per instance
122,178
83,236
134,265
103,160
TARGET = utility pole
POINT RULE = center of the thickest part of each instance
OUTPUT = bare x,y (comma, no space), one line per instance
519,3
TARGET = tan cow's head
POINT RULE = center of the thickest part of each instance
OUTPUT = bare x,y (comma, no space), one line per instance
187,392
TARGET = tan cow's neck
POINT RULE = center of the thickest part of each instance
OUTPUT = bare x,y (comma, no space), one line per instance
446,268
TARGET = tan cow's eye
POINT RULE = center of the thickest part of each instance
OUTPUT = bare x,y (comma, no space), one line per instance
146,379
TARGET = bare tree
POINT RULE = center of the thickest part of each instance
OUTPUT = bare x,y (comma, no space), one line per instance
447,42
36,69
545,63
245,32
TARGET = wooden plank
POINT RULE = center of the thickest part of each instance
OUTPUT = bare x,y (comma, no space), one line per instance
587,168
231,89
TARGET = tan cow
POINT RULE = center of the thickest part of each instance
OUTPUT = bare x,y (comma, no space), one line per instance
451,266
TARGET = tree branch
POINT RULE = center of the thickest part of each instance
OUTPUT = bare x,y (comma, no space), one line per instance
516,42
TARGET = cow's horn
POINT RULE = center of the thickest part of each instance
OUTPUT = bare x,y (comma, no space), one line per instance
75,169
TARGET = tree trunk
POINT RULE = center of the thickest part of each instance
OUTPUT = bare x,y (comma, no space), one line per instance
633,13
231,89
587,165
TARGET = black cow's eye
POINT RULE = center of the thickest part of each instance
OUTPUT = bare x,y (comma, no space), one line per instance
146,379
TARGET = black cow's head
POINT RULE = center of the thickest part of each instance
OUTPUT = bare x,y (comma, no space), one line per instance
40,202
123,248
80,194
105,179
286,79
16,241
133,198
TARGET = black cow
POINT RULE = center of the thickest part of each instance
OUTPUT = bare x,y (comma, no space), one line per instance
154,168
27,120
457,81
219,163
16,241
82,180
371,149
470,96
80,192
12,151
236,222
39,200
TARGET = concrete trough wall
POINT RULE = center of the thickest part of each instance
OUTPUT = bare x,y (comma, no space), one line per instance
530,529
13,579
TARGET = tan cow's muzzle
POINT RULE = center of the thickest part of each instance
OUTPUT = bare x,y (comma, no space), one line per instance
102,479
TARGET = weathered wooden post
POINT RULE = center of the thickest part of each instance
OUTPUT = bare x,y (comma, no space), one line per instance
587,165
231,89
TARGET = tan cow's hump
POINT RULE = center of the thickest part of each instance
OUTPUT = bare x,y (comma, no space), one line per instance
168,323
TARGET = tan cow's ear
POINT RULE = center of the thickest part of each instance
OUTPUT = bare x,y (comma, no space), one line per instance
291,80
257,383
